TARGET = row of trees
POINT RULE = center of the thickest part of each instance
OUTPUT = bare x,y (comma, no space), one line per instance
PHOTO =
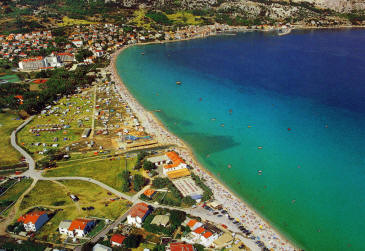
207,194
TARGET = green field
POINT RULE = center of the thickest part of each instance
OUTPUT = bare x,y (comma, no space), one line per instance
55,195
8,155
71,21
14,192
107,171
11,78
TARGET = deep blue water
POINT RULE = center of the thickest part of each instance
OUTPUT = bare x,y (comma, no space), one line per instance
301,97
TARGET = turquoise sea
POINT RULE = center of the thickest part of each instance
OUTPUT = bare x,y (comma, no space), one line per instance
301,97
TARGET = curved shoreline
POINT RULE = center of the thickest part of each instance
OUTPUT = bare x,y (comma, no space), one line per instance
222,193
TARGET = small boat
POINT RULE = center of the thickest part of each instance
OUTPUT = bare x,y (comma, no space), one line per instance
289,129
213,119
260,147
259,172
142,53
222,125
229,166
230,111
200,99
178,82
249,126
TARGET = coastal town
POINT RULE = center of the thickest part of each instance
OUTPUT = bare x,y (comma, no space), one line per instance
87,167
154,194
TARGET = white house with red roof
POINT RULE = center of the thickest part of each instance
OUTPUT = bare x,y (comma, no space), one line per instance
34,220
76,228
207,238
117,240
138,214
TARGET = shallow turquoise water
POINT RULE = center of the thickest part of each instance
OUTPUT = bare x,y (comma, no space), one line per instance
309,82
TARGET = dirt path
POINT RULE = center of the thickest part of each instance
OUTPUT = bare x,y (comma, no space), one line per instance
14,210
67,192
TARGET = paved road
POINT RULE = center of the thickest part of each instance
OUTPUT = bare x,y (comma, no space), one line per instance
28,158
106,187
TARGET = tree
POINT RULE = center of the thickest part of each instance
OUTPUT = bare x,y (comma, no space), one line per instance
148,165
159,247
199,247
125,178
188,201
132,241
83,54
138,182
160,182
177,217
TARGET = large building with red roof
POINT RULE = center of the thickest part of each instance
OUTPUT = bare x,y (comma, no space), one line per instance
34,220
176,167
138,214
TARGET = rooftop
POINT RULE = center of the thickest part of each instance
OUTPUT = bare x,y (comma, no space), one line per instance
139,210
78,224
160,220
118,238
178,173
31,217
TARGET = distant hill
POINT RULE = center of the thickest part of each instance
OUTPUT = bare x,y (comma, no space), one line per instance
336,5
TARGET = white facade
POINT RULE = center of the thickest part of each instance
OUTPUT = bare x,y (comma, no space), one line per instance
208,241
135,221
180,166
63,227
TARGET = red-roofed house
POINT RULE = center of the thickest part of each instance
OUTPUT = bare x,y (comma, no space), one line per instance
176,163
138,214
207,238
34,220
117,240
180,247
199,230
80,227
194,224
149,193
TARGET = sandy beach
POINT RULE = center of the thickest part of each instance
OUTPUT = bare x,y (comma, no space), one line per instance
232,203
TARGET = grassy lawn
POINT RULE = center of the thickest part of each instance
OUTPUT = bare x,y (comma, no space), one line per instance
100,225
15,191
89,195
107,171
70,21
8,155
78,117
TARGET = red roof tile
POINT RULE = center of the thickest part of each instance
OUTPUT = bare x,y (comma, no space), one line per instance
78,224
181,247
139,210
31,217
207,234
199,230
118,238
